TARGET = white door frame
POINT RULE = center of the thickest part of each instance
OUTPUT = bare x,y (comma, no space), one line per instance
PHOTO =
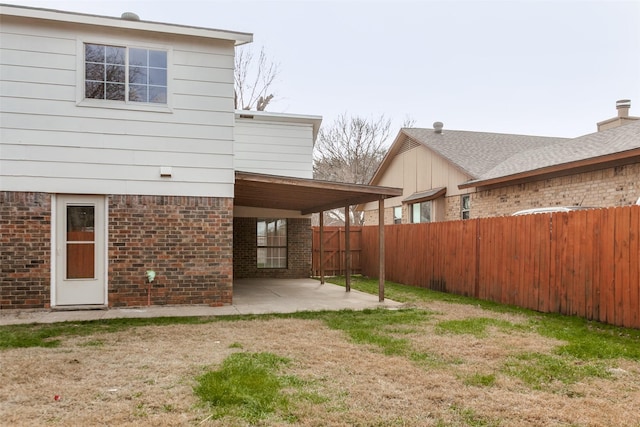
56,251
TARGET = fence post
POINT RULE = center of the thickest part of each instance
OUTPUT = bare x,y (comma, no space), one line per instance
381,249
321,248
347,248
476,285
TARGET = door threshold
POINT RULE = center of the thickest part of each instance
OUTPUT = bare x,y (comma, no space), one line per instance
79,307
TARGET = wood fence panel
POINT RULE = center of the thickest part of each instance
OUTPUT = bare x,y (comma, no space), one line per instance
484,260
564,260
500,263
583,263
606,268
634,269
505,262
578,287
525,238
516,248
591,283
537,245
393,241
554,283
525,260
622,289
587,243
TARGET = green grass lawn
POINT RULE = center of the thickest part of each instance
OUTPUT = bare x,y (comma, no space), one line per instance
585,339
249,386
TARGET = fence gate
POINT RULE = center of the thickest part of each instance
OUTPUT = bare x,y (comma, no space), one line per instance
334,250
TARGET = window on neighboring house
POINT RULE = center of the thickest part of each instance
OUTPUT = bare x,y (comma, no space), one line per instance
465,206
397,215
272,243
421,212
119,73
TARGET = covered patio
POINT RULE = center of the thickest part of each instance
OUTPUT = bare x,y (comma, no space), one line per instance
308,196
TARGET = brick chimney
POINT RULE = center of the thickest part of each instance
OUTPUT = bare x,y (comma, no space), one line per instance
623,106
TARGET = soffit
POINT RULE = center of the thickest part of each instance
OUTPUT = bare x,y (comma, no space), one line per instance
304,195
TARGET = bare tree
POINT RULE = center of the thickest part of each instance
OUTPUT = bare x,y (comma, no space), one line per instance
253,79
408,122
350,150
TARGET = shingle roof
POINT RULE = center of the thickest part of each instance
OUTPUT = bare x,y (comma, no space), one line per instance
426,195
616,140
476,153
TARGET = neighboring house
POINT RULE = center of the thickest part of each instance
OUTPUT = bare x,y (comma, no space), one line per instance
121,152
449,175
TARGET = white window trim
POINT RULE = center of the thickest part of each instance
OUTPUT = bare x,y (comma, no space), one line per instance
431,209
81,101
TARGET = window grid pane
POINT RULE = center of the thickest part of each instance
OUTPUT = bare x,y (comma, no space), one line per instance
271,236
107,68
148,70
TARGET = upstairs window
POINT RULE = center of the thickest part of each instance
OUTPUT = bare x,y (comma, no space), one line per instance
120,73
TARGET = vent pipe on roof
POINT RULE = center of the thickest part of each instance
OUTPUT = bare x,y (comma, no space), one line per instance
437,127
129,16
623,106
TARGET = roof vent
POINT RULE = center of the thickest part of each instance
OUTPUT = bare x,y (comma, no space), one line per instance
129,16
623,106
437,127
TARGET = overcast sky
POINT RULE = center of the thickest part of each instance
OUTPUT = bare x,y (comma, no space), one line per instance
530,67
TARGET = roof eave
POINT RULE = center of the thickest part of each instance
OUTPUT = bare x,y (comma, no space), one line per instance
239,38
425,196
579,166
268,116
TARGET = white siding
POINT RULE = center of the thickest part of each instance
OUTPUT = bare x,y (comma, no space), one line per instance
275,148
53,141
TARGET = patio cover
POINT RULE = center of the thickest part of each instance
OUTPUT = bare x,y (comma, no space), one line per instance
304,195
311,196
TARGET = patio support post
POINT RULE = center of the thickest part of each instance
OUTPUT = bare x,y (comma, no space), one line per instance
381,249
321,255
347,247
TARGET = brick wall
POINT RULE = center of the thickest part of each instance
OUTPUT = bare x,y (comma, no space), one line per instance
298,252
619,186
187,241
25,250
452,208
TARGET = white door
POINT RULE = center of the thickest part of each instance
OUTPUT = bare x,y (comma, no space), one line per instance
80,250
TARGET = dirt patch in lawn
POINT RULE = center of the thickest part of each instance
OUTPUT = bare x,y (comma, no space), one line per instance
146,375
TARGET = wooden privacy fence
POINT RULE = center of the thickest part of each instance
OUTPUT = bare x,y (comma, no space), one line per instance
334,250
582,263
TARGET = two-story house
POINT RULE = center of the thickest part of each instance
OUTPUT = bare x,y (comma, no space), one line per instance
121,153
449,174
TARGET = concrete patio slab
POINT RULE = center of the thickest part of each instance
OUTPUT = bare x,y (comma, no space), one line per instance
250,296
